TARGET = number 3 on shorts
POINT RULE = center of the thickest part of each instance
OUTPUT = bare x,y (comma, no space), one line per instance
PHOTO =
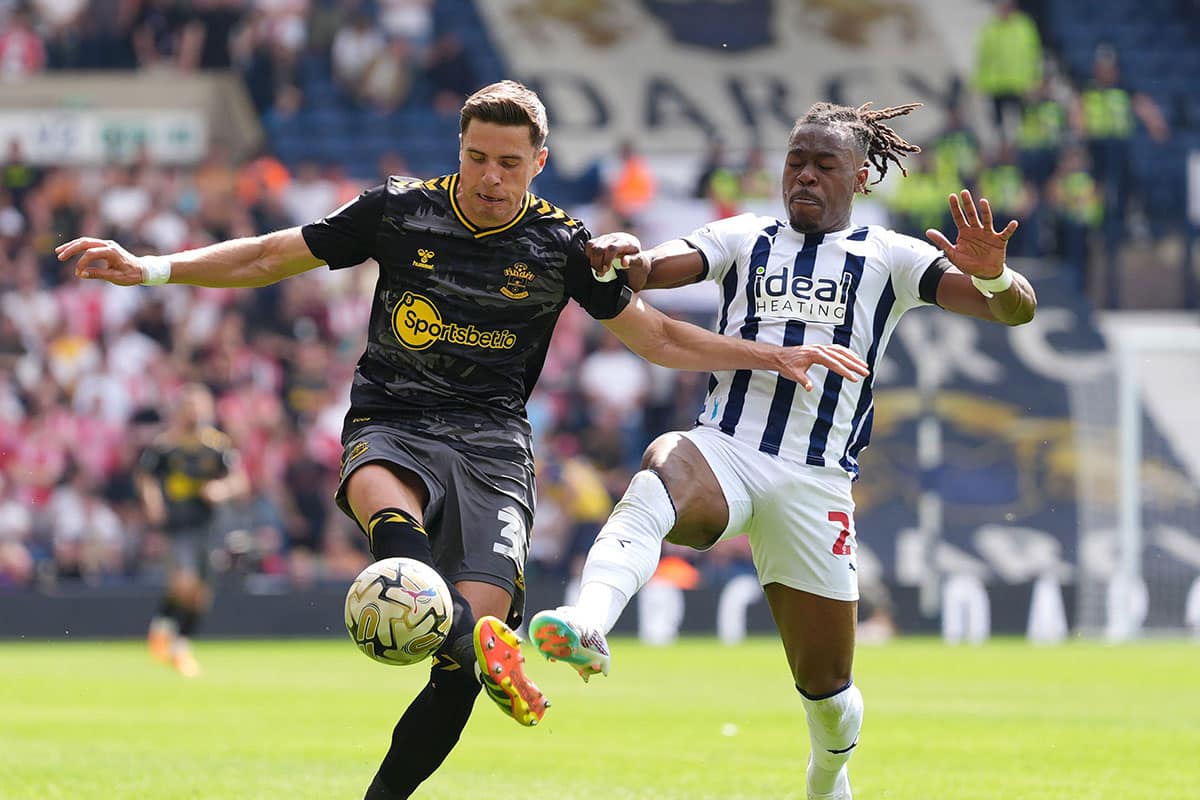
841,547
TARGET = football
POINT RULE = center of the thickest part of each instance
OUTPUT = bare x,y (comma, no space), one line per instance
398,611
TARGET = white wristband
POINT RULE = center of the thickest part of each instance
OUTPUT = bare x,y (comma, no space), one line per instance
991,286
155,270
611,274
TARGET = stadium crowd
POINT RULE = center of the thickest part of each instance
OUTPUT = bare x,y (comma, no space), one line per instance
90,371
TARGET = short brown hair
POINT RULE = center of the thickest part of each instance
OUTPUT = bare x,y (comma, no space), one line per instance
507,103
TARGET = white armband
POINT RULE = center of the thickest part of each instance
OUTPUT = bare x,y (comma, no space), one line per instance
155,270
991,286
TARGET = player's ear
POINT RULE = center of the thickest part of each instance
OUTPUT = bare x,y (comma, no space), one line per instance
541,160
860,178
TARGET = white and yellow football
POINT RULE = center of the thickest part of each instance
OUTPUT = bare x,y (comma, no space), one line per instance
398,611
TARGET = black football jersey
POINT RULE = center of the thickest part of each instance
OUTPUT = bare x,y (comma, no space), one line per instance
462,316
182,466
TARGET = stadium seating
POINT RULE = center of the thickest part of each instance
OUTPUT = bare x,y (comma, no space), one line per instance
1155,42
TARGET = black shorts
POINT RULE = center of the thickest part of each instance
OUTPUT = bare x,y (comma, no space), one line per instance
189,550
480,509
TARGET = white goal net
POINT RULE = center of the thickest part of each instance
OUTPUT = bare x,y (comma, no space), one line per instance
1138,478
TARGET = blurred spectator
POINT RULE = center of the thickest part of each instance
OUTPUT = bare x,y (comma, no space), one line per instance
216,21
105,30
388,79
124,201
355,48
60,24
614,384
1043,130
631,185
164,34
449,70
267,47
580,500
18,176
1077,206
714,159
12,221
311,195
919,201
1011,196
956,148
87,537
757,181
1008,63
21,50
410,21
32,311
1105,115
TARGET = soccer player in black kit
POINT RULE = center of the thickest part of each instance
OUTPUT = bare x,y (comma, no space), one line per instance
438,462
183,476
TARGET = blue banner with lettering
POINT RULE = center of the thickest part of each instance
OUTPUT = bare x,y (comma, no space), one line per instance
1004,485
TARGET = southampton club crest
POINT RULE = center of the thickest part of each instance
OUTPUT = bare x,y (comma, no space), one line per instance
516,287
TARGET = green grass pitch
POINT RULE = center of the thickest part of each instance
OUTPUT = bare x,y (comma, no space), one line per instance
299,719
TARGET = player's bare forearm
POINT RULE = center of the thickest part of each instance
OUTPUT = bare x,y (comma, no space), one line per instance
249,262
671,264
1016,304
1013,306
680,345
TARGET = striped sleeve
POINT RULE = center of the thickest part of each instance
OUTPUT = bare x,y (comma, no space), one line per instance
719,242
909,260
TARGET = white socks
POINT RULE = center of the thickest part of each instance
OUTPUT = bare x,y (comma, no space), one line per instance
626,552
833,726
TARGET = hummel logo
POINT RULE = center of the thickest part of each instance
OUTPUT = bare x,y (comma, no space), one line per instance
425,256
853,568
624,542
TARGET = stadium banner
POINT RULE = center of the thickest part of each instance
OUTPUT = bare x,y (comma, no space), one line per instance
670,75
729,608
997,412
102,136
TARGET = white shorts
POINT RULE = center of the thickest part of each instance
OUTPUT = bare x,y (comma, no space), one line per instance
799,518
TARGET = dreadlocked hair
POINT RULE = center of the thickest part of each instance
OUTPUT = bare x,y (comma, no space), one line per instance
880,143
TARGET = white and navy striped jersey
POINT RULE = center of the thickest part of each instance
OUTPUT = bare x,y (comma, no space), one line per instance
781,287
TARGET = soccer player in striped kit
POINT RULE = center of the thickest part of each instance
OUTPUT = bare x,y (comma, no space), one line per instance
767,457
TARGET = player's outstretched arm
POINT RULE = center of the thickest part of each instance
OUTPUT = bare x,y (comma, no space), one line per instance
983,286
680,345
248,262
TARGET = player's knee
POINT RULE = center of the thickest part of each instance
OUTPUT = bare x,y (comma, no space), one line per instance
701,510
693,536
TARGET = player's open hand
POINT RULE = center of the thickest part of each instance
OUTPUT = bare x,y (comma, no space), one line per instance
605,252
979,250
842,360
102,259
